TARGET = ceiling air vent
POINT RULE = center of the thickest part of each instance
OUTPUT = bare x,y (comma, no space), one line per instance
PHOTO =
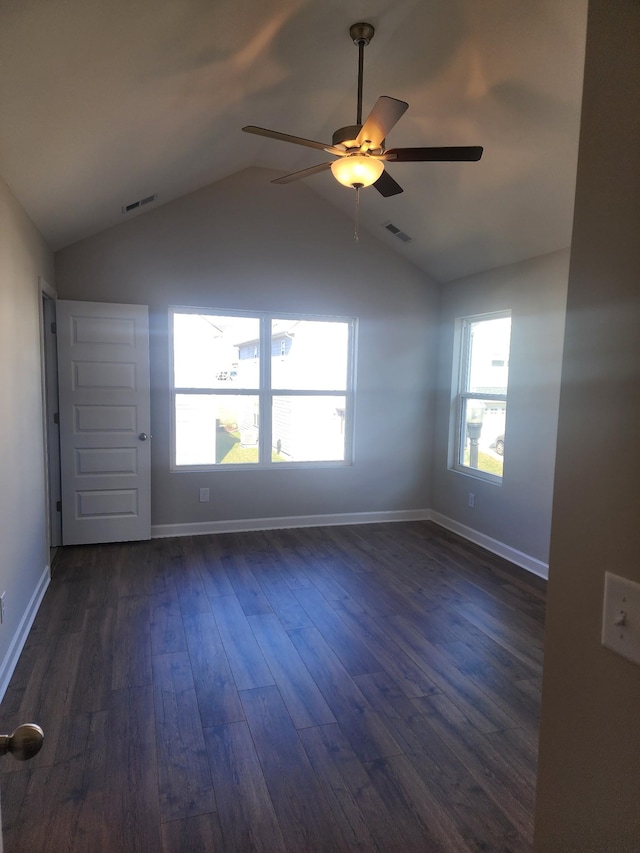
397,232
127,208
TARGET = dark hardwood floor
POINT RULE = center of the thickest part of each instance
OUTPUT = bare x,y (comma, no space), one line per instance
370,688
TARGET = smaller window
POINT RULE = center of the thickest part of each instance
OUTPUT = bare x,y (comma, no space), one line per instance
481,396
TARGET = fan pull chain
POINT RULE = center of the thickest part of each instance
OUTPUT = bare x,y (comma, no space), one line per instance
355,234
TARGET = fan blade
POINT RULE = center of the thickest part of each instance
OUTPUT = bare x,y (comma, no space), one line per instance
303,173
386,186
380,120
285,137
462,153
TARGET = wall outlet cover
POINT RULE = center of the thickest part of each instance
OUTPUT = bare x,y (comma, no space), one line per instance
621,616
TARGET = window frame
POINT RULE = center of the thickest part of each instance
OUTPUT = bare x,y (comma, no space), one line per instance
265,392
461,394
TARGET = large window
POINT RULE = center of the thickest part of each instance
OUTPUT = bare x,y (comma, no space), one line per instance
260,389
481,402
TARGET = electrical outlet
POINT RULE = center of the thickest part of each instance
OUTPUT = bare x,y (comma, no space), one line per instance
2,605
472,500
204,495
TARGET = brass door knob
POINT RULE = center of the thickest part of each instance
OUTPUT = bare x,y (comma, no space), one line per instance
24,743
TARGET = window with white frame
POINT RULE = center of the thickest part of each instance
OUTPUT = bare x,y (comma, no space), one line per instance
481,400
260,390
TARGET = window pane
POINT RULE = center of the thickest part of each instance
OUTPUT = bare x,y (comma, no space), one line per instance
216,429
309,355
308,429
488,366
216,352
482,439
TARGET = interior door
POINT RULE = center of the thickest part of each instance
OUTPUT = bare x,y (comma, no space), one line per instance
105,453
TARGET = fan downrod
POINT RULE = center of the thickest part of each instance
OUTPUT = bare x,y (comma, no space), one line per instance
361,33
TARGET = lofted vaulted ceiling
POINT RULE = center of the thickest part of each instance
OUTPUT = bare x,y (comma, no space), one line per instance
104,102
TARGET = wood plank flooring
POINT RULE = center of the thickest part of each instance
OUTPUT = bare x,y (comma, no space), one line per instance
369,688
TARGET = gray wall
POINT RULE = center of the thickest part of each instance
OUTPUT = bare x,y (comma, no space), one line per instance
589,768
23,257
244,243
518,512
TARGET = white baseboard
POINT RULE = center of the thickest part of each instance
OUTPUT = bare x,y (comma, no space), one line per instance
20,637
160,531
531,564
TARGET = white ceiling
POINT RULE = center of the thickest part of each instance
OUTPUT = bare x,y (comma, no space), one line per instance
103,102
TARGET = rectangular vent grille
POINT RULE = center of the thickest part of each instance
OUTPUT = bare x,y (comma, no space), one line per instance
127,208
393,229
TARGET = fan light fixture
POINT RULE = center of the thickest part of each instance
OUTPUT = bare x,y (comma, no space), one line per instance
357,170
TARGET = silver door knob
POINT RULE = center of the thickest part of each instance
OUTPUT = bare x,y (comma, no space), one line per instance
143,436
24,743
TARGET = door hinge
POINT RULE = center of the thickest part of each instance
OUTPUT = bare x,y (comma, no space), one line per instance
58,506
56,418
54,328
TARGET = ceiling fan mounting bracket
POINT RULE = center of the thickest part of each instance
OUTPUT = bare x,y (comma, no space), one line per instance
361,33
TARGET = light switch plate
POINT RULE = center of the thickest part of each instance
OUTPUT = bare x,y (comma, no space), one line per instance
621,616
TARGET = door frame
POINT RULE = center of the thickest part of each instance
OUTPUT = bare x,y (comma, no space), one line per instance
47,297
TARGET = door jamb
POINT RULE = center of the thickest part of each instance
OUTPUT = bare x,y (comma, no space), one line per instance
51,434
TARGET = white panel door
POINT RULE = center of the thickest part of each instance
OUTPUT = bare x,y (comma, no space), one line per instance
105,447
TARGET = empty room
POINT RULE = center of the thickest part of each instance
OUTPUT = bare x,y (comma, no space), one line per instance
319,329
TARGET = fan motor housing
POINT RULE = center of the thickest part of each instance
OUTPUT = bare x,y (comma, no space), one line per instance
347,135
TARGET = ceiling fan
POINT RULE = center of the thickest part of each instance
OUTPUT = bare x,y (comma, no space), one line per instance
360,147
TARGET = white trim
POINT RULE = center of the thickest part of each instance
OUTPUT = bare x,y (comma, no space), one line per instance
531,564
50,437
160,531
45,287
20,637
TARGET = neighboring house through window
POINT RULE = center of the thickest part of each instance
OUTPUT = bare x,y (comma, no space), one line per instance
483,344
254,389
